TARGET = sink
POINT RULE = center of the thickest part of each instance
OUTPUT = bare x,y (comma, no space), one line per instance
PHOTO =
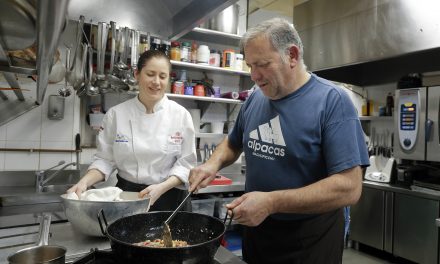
56,188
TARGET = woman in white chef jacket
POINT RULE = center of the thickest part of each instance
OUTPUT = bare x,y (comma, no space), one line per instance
149,140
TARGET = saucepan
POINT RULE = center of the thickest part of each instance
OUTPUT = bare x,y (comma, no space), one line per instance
42,253
202,232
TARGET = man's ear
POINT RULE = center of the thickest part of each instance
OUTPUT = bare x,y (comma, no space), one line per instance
293,55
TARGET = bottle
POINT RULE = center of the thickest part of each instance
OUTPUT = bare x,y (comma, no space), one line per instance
390,105
194,52
203,55
175,51
144,44
155,44
185,52
165,47
228,58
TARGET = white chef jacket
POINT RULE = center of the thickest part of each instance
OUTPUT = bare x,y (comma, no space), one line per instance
146,148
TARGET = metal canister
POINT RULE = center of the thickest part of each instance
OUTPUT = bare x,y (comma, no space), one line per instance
178,87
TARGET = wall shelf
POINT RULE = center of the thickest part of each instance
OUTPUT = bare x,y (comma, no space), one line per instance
203,98
213,36
208,68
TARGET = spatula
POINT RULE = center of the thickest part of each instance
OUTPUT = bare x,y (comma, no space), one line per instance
166,232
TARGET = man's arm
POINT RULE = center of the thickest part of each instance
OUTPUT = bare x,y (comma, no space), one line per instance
224,155
336,191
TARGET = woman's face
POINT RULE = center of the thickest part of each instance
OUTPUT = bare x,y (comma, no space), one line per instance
153,79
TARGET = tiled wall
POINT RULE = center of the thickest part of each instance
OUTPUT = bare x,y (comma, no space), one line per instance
33,130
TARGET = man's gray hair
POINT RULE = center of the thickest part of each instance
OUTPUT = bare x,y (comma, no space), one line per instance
281,34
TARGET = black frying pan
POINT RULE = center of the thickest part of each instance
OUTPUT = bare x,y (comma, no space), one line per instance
202,232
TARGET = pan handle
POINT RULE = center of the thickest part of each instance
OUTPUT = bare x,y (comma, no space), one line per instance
230,218
102,219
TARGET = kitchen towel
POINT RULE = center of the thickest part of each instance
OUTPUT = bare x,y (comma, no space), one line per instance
103,194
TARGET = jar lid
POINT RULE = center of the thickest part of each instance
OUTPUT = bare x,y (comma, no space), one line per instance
186,44
175,44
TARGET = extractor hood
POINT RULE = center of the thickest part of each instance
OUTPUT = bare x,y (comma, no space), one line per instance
368,42
167,18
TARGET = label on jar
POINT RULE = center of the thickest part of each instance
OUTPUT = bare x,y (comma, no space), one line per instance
178,87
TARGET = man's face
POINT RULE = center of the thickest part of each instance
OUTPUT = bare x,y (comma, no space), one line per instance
268,70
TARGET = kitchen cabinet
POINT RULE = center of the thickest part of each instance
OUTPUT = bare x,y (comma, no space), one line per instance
371,219
415,232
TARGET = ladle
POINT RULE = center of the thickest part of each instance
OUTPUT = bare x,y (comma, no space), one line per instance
90,89
166,232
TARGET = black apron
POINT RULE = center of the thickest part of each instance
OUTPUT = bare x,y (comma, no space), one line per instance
167,202
315,240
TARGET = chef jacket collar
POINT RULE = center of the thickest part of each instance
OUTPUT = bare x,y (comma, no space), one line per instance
158,106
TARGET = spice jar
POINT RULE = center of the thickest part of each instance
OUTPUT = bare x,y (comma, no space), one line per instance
228,58
214,58
194,52
185,52
175,51
203,54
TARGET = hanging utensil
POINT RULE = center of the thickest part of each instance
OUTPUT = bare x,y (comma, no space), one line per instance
166,232
12,89
90,89
65,91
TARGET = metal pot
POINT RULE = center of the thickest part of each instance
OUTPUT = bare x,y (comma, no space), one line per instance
202,232
82,214
225,21
42,253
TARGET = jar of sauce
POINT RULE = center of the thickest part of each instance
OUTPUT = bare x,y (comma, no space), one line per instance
175,51
185,52
177,88
199,90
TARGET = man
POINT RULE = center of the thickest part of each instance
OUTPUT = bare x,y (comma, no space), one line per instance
304,150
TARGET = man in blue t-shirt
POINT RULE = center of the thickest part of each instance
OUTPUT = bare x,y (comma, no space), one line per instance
304,150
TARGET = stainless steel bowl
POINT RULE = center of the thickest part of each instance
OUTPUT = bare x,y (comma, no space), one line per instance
83,215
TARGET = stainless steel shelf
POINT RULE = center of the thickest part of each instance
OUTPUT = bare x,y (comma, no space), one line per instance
208,68
213,36
209,135
376,118
204,98
21,70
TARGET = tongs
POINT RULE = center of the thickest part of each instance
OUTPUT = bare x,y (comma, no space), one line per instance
166,232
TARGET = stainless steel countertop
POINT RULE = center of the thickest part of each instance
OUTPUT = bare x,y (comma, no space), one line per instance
398,189
77,245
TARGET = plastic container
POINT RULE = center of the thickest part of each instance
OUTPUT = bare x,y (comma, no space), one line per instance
178,87
238,63
189,90
199,90
214,58
203,55
194,52
204,206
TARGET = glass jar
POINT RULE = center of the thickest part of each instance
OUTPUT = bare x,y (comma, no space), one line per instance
144,44
194,52
155,44
165,48
214,58
228,58
175,50
238,63
185,52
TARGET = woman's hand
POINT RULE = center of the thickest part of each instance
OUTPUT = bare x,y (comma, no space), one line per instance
78,188
154,191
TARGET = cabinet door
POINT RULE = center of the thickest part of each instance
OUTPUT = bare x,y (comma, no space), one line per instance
415,232
367,218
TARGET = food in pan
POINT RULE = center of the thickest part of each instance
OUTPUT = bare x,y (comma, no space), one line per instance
158,243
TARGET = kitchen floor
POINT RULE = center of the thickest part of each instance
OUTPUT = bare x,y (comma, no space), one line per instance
367,255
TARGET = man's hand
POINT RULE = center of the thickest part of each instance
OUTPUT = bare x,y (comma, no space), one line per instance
201,176
252,208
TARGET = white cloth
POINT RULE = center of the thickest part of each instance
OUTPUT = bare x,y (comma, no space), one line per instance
103,194
146,148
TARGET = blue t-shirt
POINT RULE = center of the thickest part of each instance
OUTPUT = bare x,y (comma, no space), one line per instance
300,139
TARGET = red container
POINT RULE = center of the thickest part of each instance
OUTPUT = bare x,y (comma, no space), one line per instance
178,87
199,90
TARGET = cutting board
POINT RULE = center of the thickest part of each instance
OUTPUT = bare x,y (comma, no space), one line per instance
221,180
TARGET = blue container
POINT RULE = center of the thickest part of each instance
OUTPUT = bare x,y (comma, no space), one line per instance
189,90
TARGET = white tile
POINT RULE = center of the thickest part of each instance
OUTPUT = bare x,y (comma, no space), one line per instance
2,155
25,127
50,159
21,160
57,130
3,132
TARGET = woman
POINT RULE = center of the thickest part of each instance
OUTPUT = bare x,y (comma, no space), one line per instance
149,139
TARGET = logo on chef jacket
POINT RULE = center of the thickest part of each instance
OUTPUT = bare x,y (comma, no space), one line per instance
267,140
121,138
176,138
